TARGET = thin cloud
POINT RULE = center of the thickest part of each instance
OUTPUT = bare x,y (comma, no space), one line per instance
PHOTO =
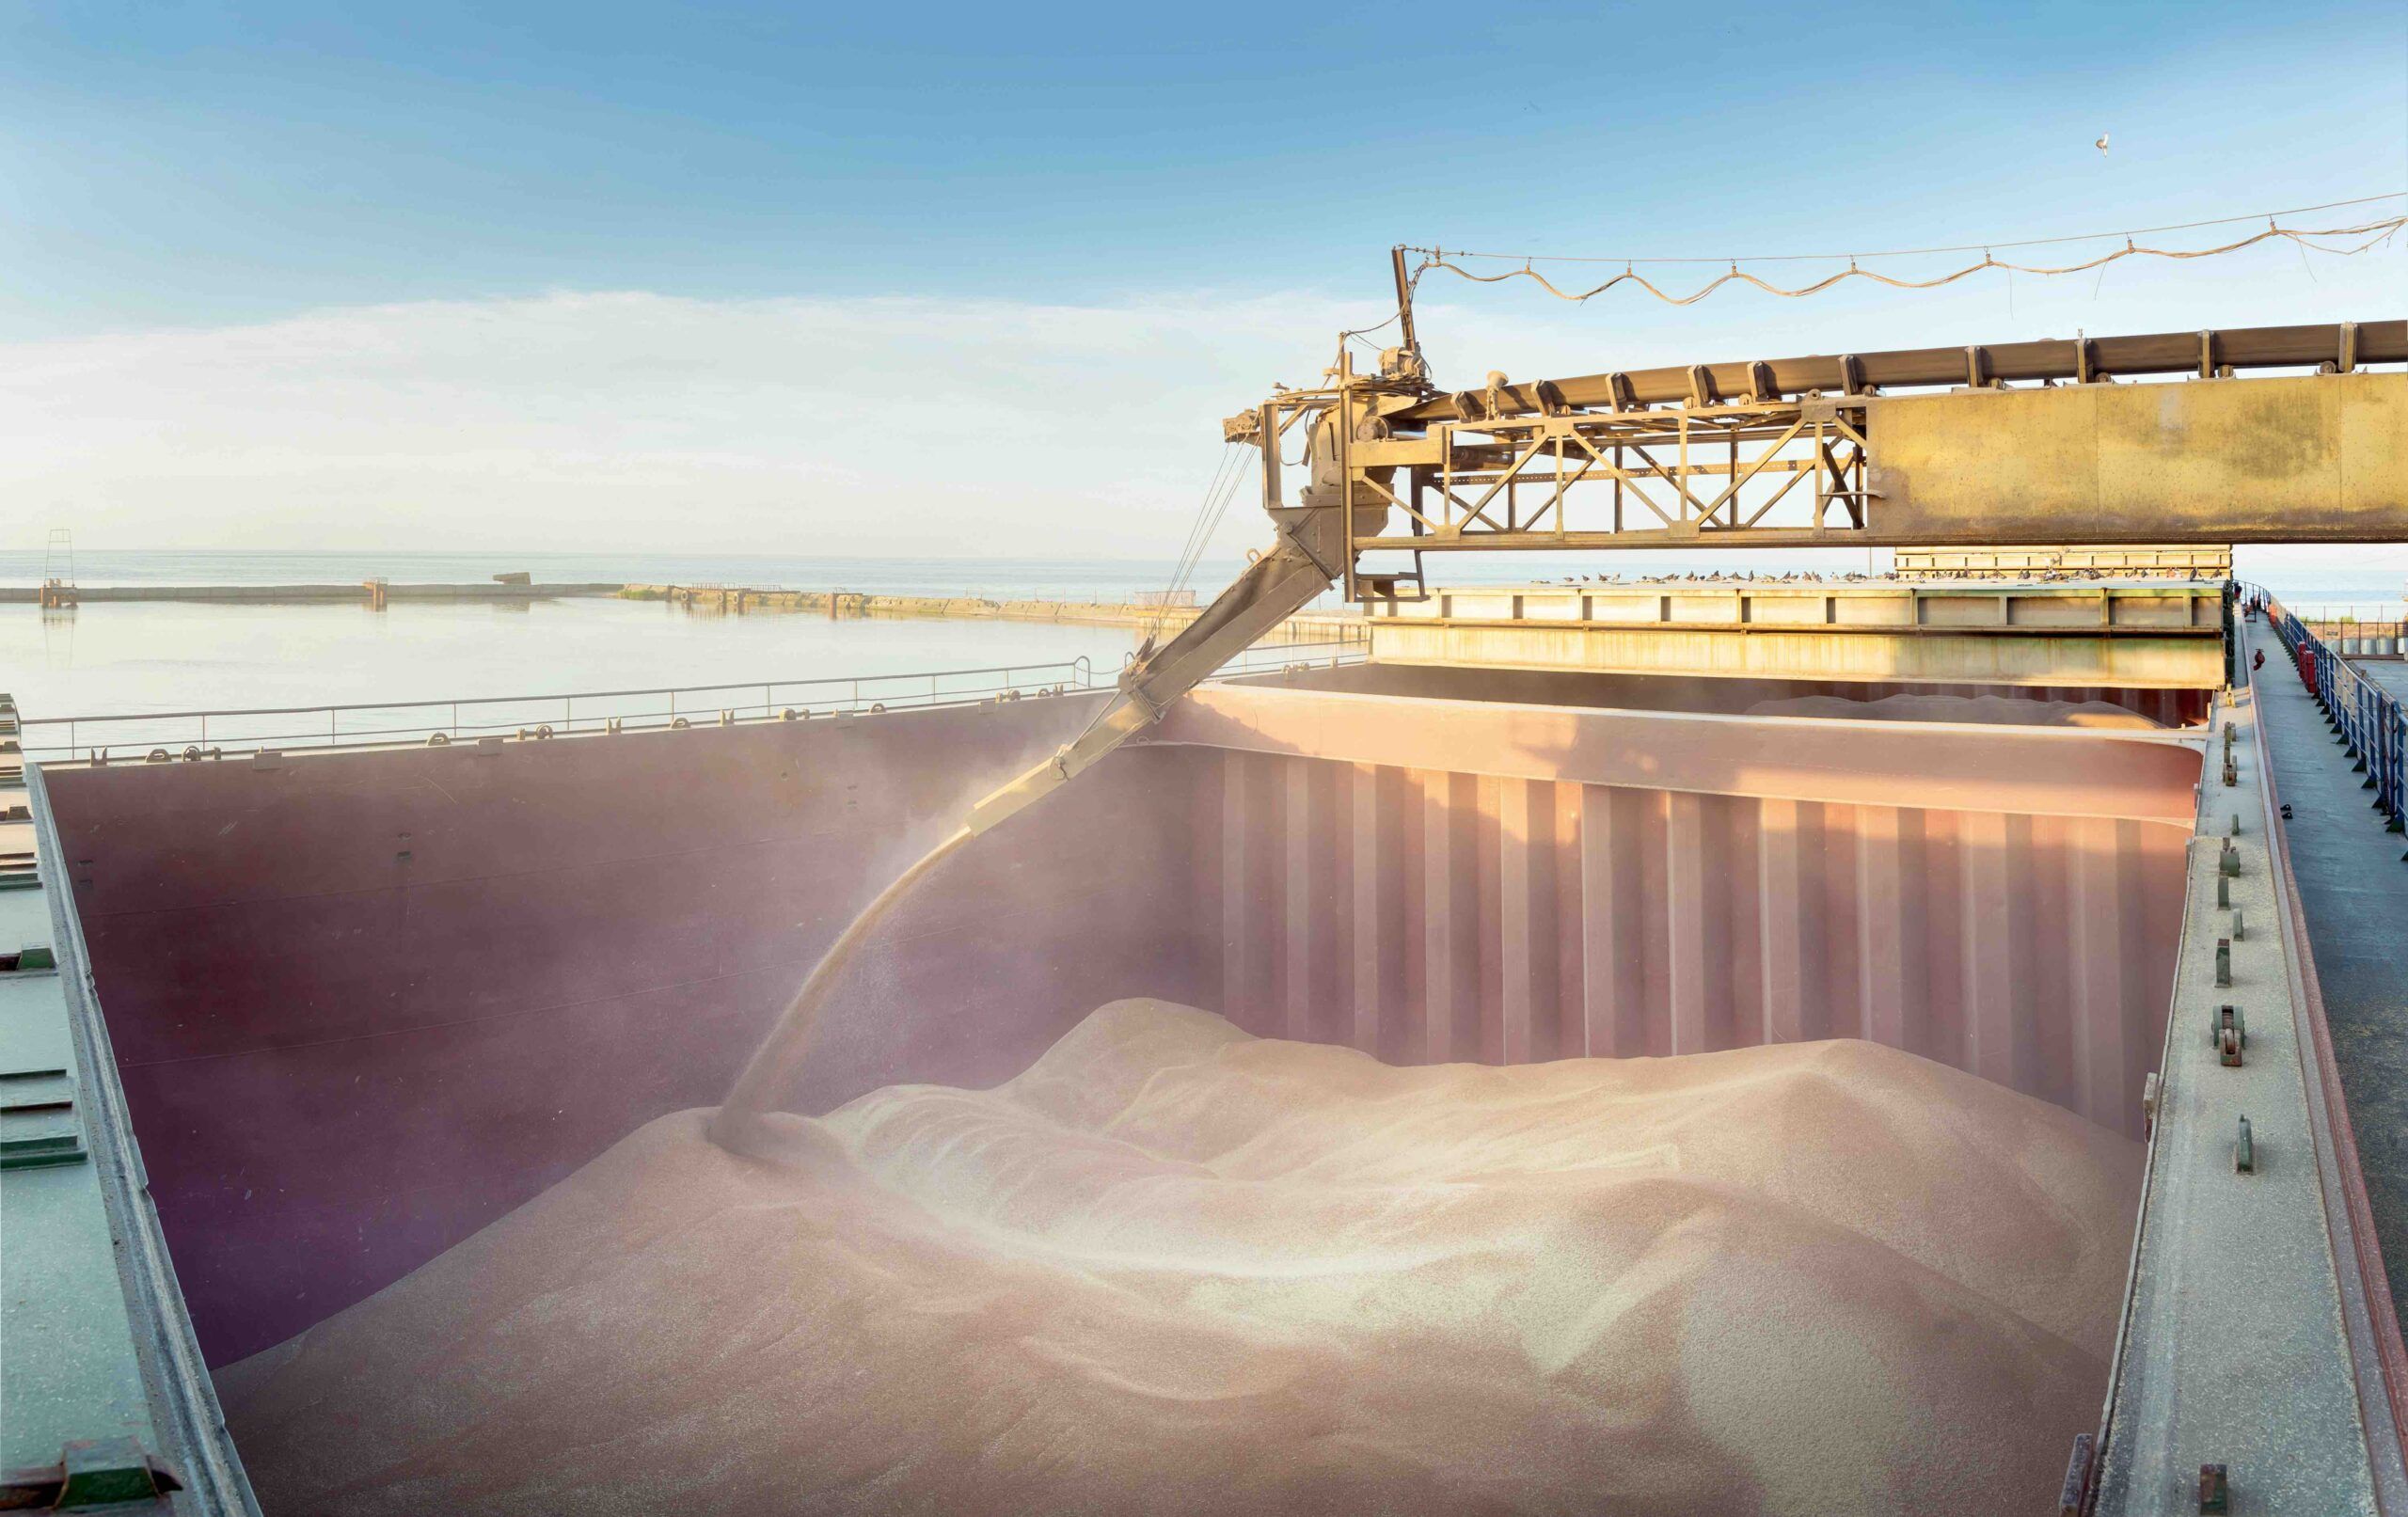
629,420
638,419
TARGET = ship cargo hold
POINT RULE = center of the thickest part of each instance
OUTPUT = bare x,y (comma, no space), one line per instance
325,1042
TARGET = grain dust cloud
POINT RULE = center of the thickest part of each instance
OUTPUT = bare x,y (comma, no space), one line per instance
1172,1268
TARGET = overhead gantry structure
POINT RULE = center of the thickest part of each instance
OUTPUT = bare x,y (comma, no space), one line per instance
2277,433
2021,443
2283,435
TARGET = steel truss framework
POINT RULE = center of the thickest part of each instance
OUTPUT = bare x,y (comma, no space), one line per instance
1618,479
1783,453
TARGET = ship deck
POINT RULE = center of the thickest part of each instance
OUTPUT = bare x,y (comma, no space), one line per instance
2353,889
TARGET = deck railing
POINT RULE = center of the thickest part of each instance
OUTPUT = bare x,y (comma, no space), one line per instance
2368,718
161,737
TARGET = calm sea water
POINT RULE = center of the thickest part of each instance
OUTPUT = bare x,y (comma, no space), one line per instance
138,656
1050,579
160,656
168,656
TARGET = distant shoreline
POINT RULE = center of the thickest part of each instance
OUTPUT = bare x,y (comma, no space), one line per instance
306,594
844,604
836,604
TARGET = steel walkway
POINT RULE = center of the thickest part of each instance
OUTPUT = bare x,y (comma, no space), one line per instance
2353,889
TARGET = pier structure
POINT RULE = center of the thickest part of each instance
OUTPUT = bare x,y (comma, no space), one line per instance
371,592
1149,610
57,590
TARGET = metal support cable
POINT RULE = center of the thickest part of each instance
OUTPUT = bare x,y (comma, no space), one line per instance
1199,531
1203,508
2372,233
1209,514
1916,252
1211,523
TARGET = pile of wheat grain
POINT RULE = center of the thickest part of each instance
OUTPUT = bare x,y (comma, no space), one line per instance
1174,1268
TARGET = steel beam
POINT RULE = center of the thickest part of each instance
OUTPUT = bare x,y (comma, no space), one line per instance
2293,459
2038,657
2344,345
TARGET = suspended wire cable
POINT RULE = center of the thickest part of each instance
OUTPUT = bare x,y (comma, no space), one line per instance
1361,334
1209,513
1209,516
1212,525
1191,549
1187,549
1208,520
2373,234
1914,252
1220,511
1217,496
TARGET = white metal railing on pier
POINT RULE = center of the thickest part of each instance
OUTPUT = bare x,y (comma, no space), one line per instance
164,735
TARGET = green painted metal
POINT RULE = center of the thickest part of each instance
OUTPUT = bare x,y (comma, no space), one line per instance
73,1373
103,1402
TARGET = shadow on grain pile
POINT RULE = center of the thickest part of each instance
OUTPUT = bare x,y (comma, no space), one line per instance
1172,1268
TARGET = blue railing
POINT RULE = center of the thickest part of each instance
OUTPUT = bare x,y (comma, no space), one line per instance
2368,720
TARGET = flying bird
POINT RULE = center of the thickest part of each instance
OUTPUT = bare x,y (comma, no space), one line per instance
2101,143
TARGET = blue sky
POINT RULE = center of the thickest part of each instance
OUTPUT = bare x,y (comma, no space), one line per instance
1217,177
203,161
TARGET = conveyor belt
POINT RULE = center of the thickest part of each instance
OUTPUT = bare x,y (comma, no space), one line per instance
2060,359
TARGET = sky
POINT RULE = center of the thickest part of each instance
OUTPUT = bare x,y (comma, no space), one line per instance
982,280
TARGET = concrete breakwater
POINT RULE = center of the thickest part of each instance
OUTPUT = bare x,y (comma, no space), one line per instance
1309,626
366,593
835,604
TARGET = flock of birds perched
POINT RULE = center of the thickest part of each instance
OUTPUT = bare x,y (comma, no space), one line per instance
1804,577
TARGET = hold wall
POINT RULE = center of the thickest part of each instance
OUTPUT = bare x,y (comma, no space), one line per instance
1423,916
364,1004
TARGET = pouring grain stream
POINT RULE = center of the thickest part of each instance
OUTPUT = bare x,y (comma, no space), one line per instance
737,1126
1276,585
